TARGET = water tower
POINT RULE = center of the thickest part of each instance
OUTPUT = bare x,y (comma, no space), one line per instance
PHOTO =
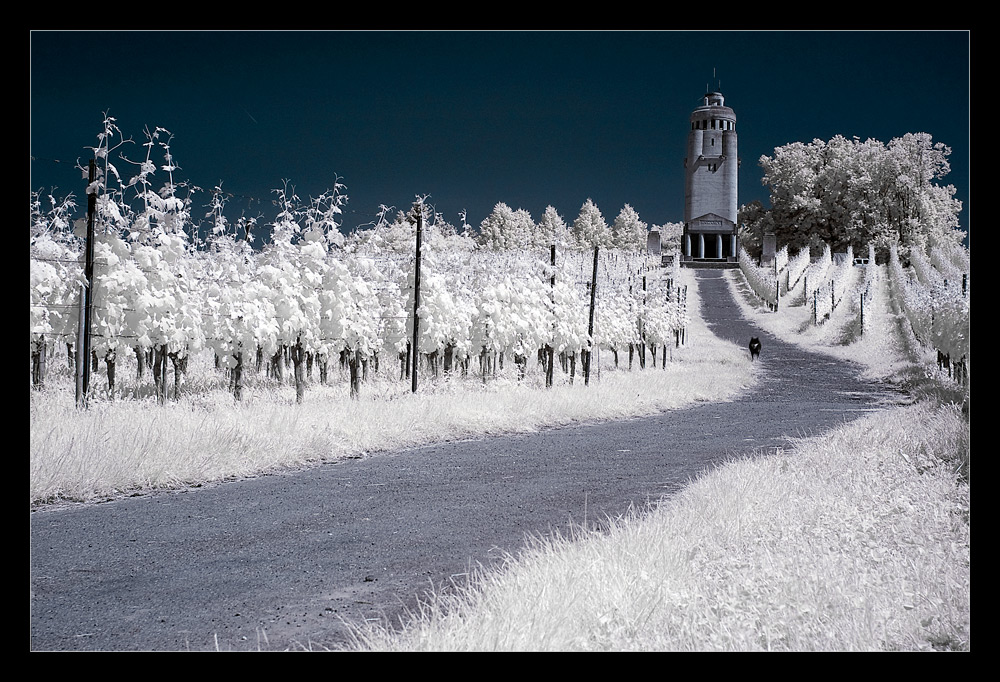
711,170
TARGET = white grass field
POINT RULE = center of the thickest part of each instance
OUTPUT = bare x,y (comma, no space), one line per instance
856,540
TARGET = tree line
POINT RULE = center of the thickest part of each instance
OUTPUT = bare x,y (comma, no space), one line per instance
846,192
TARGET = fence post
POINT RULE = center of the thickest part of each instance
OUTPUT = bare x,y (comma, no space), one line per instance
862,313
684,329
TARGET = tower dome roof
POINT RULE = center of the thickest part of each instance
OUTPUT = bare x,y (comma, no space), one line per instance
713,106
714,99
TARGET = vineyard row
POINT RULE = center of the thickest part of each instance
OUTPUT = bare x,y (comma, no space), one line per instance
933,292
164,301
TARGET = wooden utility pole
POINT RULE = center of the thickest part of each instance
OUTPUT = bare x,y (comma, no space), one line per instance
549,350
419,206
81,362
642,328
83,348
590,326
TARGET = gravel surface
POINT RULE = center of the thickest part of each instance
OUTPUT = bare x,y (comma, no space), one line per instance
277,561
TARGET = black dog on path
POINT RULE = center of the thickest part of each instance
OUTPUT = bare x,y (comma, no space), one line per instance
754,348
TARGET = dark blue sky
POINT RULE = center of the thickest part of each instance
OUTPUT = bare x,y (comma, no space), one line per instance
472,118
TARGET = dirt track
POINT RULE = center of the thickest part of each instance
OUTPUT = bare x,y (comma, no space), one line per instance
289,555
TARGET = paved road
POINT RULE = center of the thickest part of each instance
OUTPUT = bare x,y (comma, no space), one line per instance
287,556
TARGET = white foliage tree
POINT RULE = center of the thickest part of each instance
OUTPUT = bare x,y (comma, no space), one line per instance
670,235
590,229
552,229
506,228
628,231
848,192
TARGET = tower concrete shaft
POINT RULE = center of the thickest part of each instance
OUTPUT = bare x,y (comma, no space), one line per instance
711,172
